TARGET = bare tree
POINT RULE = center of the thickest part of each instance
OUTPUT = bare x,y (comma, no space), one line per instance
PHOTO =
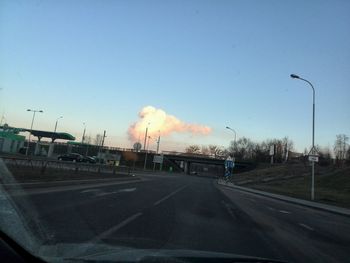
306,152
341,147
194,149
98,139
287,146
215,150
205,150
325,156
243,148
87,139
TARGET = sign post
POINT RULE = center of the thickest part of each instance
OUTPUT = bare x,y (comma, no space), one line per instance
313,158
137,146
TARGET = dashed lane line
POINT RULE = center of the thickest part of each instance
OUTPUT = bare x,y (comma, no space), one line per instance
284,212
115,228
306,226
169,195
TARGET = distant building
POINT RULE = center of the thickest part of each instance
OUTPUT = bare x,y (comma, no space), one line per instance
10,141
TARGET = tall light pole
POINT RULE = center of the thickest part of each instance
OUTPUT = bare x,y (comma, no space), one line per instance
158,142
144,145
57,122
31,126
83,138
144,165
2,119
234,143
293,76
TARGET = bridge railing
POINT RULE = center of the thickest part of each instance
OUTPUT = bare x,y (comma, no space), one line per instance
209,156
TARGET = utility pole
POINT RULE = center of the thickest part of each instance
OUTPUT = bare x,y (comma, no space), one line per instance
101,146
144,145
83,138
144,165
2,119
31,127
158,141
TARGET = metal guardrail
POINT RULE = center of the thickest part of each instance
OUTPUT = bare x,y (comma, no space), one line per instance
44,164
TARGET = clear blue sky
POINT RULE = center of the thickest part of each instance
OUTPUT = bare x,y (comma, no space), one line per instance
214,63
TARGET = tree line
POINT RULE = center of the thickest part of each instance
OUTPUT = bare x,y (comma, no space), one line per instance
246,149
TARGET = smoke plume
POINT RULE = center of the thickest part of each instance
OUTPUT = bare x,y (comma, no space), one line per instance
159,122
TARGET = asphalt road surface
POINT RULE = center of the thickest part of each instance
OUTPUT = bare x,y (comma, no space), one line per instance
185,212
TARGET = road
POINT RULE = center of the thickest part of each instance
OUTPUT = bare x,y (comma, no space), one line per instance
185,212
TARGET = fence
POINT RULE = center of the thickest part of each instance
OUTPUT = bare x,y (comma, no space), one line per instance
43,165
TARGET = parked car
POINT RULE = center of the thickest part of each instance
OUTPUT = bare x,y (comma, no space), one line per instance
88,159
72,157
22,150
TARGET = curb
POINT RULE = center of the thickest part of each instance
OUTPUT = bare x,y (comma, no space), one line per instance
293,200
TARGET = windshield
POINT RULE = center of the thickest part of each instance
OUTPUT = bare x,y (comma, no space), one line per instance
175,129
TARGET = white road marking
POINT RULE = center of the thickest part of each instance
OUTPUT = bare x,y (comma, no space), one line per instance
306,226
89,191
74,187
103,194
169,195
115,228
270,208
284,212
127,190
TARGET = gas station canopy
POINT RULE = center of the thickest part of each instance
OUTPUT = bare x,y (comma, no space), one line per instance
40,134
51,135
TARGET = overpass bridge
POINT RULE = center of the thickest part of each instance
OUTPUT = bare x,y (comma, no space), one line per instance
185,162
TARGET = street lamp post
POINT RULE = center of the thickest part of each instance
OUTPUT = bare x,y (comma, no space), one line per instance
31,127
57,122
2,119
144,165
234,143
83,138
293,76
158,142
144,145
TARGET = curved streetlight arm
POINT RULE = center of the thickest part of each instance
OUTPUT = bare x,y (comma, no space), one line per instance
294,76
313,107
229,128
57,122
313,89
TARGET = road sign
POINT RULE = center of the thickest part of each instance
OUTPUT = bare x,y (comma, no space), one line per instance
137,146
158,159
313,151
313,158
272,150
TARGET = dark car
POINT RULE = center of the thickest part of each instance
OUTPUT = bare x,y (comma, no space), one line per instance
72,157
88,159
22,150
